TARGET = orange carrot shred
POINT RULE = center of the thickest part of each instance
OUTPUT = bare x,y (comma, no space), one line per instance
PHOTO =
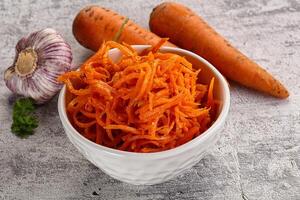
210,98
146,102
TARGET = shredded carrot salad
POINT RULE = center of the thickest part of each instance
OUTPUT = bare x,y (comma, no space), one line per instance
141,103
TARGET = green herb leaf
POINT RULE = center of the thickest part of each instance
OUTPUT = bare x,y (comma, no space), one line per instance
24,122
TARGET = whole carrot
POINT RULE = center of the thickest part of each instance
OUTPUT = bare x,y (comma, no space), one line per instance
189,31
95,24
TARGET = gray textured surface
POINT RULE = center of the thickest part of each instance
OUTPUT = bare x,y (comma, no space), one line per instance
257,156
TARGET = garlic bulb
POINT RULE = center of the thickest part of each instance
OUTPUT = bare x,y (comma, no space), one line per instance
40,59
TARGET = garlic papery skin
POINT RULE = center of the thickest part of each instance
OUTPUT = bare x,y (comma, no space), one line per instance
40,59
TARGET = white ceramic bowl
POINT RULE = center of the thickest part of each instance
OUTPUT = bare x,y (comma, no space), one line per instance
152,168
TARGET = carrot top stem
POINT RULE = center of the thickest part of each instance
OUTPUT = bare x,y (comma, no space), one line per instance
118,34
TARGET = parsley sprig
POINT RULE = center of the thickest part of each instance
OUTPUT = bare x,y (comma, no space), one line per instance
24,121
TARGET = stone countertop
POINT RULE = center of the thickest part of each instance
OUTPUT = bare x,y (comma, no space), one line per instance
257,157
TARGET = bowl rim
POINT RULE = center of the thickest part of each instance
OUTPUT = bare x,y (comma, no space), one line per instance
162,154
